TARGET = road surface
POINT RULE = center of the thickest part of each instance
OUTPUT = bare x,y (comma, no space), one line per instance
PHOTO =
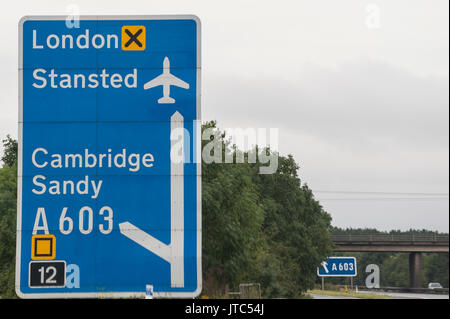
315,296
393,295
407,295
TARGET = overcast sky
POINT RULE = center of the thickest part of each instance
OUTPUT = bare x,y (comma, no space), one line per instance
358,90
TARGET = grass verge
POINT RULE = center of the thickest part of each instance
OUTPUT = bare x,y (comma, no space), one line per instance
347,294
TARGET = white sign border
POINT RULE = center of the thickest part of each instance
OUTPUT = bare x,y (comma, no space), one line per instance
197,141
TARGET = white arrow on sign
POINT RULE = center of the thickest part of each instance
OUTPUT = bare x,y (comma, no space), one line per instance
174,252
324,265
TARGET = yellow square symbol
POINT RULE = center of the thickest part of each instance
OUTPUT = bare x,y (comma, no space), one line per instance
133,38
43,247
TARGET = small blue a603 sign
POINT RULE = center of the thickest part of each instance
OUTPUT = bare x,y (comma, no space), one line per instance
337,267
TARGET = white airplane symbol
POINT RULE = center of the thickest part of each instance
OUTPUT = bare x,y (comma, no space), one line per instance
166,79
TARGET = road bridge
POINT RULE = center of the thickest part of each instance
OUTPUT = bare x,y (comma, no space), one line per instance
414,244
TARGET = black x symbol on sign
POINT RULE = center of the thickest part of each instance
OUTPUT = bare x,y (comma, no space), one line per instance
133,38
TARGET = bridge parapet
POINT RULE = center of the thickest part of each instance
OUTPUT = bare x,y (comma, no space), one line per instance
391,242
391,238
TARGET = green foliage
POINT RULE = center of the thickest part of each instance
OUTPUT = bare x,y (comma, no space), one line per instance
436,268
8,190
260,228
231,223
8,208
9,157
394,270
8,204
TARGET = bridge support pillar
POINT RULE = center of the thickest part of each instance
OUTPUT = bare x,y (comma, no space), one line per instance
415,270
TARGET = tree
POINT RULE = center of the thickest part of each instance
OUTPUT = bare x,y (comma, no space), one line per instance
435,268
395,271
8,208
261,228
232,218
296,229
8,191
9,157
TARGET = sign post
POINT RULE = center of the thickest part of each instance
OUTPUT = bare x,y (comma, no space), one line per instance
109,176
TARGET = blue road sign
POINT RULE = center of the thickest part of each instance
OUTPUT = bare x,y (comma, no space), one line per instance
109,172
337,267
